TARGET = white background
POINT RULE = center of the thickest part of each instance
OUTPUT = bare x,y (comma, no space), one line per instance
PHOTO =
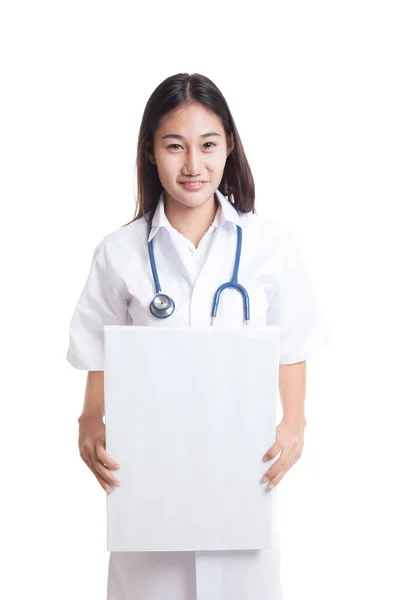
314,91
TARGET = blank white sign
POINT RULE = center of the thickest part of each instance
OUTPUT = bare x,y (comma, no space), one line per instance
189,414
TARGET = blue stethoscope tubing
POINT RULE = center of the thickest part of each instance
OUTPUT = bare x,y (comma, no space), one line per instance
162,306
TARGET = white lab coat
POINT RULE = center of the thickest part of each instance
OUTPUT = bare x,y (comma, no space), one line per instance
118,291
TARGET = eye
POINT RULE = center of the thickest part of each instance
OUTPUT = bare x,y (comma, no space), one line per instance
174,145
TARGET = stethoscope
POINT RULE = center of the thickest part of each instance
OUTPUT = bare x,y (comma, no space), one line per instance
162,306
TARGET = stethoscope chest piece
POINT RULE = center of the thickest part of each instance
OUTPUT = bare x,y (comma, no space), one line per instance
162,306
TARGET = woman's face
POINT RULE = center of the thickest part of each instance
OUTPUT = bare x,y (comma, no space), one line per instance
190,144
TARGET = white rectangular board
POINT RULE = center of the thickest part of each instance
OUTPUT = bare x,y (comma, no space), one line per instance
189,414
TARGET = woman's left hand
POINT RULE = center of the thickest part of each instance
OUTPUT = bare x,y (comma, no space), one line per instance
290,442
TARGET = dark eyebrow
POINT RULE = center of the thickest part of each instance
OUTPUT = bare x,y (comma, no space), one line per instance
180,137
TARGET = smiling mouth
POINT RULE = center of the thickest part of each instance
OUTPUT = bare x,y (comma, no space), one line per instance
193,185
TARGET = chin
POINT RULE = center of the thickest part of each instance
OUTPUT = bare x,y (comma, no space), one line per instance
190,199
195,197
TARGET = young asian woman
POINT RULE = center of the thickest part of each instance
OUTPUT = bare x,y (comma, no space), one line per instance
195,188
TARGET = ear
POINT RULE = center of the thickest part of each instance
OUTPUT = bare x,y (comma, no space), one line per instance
151,158
230,145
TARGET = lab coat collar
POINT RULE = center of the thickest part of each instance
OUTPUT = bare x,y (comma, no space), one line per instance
226,212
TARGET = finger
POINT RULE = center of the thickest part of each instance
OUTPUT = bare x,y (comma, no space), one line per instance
104,472
105,458
100,479
275,480
275,477
273,451
279,465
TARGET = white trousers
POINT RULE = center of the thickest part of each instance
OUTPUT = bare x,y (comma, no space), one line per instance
197,575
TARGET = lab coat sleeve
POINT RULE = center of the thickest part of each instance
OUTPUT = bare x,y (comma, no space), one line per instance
100,303
295,310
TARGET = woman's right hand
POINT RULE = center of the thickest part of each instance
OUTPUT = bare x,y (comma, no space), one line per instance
92,436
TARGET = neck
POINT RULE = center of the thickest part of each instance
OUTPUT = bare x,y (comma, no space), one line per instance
191,222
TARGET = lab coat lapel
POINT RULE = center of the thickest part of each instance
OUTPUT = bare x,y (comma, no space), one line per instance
171,265
219,261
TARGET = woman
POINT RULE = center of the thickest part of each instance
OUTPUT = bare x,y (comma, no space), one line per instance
194,187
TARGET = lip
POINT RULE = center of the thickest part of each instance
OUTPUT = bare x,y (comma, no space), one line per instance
192,186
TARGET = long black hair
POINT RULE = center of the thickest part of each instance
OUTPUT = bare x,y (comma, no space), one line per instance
178,90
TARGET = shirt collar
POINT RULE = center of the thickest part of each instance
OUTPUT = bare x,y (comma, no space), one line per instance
225,212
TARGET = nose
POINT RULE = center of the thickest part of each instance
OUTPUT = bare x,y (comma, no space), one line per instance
192,164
